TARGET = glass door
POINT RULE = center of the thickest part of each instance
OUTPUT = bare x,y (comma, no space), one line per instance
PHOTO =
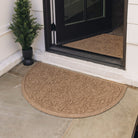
77,19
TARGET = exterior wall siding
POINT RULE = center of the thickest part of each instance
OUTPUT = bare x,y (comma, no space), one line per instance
7,45
132,39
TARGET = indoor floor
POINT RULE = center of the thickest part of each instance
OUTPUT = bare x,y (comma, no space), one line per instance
18,119
105,44
109,44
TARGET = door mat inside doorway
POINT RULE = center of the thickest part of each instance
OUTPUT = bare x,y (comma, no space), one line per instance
66,93
105,44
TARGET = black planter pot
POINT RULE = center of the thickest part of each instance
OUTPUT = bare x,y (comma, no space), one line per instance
27,55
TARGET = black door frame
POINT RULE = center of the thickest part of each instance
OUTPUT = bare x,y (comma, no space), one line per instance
80,54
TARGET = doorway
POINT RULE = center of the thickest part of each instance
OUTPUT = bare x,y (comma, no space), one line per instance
110,40
93,30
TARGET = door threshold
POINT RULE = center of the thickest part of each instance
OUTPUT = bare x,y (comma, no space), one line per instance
87,56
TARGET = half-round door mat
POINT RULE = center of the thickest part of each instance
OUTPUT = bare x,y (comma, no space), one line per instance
66,93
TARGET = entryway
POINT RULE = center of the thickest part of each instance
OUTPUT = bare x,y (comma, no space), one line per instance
92,30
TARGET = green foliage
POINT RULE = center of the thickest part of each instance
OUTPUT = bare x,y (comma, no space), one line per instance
24,25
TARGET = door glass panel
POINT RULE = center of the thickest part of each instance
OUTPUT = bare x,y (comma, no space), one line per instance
73,11
95,9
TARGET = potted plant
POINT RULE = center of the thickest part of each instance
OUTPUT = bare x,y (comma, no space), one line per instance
25,28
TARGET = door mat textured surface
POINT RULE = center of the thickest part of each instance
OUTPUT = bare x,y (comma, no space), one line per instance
105,44
66,93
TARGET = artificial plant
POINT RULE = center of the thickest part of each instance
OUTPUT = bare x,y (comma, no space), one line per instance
24,25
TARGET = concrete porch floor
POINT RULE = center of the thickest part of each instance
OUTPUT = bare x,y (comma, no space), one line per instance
18,119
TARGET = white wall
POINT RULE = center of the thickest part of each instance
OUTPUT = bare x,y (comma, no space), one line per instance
7,45
9,51
37,8
132,40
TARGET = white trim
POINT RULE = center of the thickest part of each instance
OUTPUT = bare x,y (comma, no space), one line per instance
133,3
10,62
36,10
4,30
4,33
90,68
53,20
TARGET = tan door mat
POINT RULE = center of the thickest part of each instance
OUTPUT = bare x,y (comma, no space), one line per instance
66,93
105,44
